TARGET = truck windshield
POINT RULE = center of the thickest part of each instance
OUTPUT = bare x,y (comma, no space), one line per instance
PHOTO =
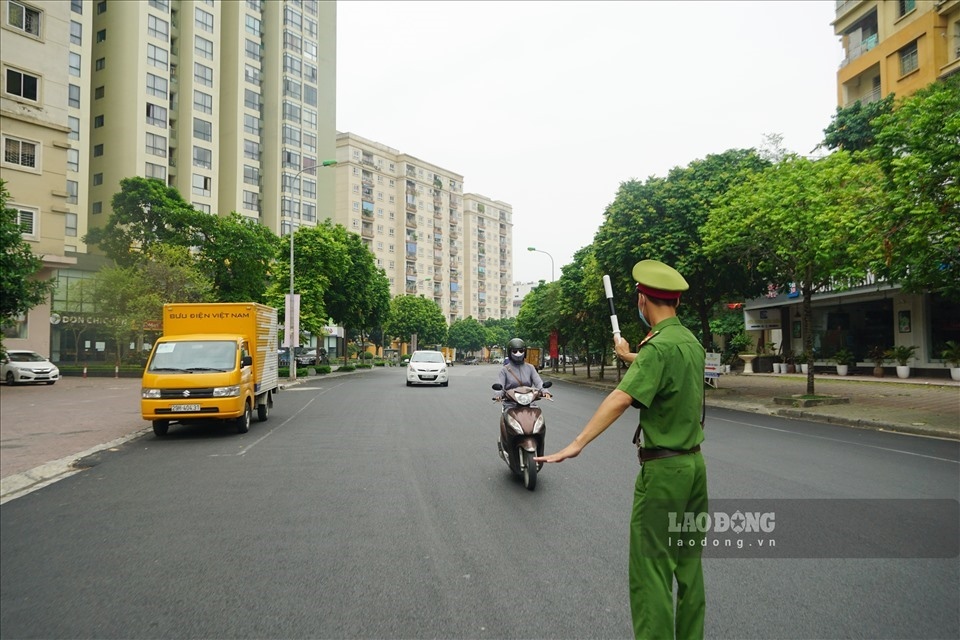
194,356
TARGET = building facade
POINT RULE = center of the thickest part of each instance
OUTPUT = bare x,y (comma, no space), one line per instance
429,237
891,47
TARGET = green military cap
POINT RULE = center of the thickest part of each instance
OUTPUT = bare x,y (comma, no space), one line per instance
658,280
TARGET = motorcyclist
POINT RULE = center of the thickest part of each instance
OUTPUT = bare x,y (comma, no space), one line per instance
517,372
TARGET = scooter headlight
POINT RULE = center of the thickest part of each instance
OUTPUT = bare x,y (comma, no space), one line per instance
538,425
523,398
514,424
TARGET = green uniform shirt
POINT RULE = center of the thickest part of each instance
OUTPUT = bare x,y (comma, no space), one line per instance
667,379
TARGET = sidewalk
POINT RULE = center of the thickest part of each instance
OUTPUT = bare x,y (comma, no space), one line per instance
922,406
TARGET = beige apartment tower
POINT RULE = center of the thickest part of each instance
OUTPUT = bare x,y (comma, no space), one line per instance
429,237
895,46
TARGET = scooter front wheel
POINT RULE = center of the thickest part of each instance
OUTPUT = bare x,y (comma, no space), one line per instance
529,469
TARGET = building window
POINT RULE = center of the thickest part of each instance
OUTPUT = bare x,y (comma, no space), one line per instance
252,26
202,102
291,159
202,185
202,130
73,160
251,99
909,60
203,47
101,64
291,65
96,207
251,124
251,74
291,89
23,85
73,96
97,179
251,201
73,64
157,171
905,6
101,35
309,142
98,121
203,74
157,57
23,18
21,153
309,211
202,158
157,115
74,124
291,111
70,225
156,86
76,6
73,188
156,145
251,150
251,175
310,95
76,32
98,93
291,135
97,151
101,7
162,5
26,220
252,49
204,20
158,28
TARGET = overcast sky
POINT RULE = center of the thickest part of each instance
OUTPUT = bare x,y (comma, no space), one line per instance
550,105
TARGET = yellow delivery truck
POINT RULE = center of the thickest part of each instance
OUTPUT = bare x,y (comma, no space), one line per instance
215,361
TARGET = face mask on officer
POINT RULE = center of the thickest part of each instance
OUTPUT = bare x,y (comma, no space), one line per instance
643,318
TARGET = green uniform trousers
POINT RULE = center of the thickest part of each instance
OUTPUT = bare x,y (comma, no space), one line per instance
677,484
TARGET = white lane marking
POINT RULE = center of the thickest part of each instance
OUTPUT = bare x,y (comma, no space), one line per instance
269,433
807,435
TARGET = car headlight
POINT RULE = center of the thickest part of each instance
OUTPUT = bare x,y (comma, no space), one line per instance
226,392
150,394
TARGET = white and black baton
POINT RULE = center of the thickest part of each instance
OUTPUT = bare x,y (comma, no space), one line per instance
613,310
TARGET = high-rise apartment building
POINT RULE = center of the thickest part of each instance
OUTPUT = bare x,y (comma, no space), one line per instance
38,71
429,237
895,46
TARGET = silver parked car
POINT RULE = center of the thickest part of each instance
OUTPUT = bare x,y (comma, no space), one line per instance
427,367
19,365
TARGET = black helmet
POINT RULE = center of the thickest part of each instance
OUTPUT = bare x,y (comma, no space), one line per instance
517,351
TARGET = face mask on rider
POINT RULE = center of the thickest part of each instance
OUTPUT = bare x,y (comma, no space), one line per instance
643,318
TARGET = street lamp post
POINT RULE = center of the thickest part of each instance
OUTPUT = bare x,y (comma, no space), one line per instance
294,340
548,255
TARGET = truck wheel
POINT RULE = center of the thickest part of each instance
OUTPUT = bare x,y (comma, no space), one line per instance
263,410
243,422
160,427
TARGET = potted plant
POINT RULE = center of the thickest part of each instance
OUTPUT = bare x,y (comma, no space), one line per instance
951,354
844,359
877,355
790,361
902,354
805,359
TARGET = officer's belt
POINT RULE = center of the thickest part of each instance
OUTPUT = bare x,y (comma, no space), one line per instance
646,455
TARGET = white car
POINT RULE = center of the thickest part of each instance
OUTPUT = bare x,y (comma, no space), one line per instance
27,366
427,367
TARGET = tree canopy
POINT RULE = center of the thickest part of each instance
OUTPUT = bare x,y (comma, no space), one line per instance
411,314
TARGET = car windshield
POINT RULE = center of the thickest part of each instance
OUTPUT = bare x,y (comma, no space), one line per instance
427,356
26,356
197,355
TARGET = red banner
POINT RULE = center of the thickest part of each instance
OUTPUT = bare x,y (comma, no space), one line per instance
554,348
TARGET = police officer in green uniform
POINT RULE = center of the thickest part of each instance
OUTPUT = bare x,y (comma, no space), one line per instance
665,380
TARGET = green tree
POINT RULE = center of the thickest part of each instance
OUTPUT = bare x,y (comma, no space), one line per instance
467,335
803,220
18,268
539,315
235,253
854,128
145,212
411,314
662,219
171,272
126,300
918,148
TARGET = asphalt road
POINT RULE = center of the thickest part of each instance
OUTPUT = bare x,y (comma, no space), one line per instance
366,509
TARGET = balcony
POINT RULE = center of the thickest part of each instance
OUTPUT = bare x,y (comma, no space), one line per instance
366,230
411,221
857,51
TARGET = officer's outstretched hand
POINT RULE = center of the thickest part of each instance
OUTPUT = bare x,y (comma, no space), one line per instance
572,450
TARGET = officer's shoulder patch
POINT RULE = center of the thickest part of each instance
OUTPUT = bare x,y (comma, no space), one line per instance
650,336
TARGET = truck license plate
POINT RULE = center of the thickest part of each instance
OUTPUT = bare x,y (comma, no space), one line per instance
185,407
